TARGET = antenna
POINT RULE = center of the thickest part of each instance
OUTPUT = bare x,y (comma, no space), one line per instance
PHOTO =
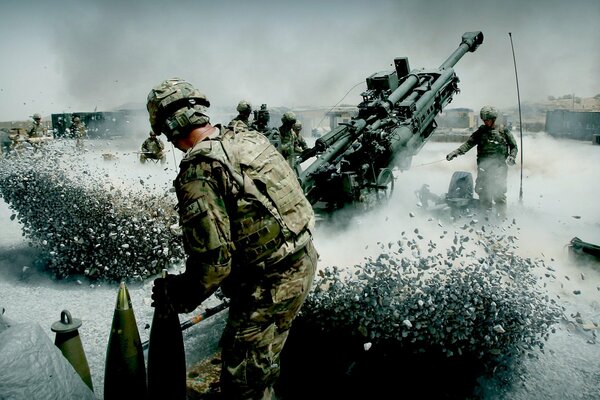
520,122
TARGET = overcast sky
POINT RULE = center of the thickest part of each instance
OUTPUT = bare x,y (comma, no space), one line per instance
81,55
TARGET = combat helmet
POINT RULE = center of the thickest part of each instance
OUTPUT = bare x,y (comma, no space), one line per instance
288,118
488,112
174,106
297,126
36,116
244,107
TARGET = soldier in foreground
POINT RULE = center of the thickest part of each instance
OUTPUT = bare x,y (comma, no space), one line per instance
496,148
153,148
246,229
244,110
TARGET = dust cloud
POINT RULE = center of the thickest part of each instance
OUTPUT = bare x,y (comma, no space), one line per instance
86,55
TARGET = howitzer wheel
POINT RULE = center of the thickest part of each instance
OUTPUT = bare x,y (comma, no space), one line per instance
385,184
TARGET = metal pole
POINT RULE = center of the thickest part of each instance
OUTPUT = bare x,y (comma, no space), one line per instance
520,121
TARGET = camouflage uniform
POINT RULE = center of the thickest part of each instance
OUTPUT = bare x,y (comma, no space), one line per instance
299,145
288,140
78,131
261,124
244,110
494,145
246,226
37,130
153,148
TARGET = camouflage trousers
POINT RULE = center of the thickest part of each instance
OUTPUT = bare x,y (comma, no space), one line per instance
258,325
491,184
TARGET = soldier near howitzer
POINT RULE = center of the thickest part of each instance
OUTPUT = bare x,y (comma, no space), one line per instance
153,148
496,148
292,142
78,131
300,142
242,120
246,228
261,124
261,119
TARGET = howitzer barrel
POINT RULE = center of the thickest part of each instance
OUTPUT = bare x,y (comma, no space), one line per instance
438,96
470,42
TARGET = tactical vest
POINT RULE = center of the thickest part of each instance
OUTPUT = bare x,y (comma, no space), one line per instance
37,130
492,143
271,206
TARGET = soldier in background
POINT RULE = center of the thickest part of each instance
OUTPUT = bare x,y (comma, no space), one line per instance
153,148
255,244
242,120
290,143
5,143
300,142
37,129
261,124
261,120
78,131
496,148
299,146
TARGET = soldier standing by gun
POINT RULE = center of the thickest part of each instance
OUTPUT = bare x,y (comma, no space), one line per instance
496,148
289,140
261,124
255,244
299,145
261,119
242,120
300,142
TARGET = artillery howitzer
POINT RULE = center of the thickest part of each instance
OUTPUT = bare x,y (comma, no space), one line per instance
396,117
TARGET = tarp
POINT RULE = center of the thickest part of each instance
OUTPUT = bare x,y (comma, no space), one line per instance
32,367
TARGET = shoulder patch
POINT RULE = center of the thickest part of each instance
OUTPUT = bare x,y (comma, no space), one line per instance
193,210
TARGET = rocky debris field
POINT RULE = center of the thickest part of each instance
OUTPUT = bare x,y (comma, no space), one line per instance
83,221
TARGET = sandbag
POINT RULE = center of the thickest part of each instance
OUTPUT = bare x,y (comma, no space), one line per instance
34,368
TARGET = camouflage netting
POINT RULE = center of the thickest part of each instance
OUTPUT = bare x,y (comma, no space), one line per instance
420,312
83,222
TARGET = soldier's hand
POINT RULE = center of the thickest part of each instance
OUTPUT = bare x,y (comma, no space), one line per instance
174,293
510,160
452,155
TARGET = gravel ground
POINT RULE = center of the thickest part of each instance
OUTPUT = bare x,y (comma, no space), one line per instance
560,192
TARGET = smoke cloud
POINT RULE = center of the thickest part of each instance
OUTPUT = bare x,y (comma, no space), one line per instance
85,55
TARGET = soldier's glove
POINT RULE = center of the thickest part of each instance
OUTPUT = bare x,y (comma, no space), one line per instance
510,160
452,155
175,293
